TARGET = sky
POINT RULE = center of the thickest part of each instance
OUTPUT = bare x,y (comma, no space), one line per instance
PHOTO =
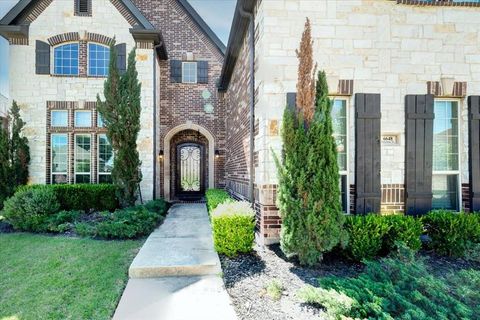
218,14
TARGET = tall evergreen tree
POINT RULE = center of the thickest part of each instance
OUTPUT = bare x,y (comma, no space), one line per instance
19,150
121,115
309,194
5,168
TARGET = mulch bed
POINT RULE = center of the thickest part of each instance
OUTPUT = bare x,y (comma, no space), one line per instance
246,278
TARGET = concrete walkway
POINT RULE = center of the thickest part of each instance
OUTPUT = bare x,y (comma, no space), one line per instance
176,274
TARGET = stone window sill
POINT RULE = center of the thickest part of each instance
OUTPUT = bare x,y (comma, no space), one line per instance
434,3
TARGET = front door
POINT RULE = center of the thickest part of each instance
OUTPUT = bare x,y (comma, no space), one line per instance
189,175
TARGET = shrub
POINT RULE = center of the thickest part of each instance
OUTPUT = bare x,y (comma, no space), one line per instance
452,233
366,234
84,197
405,229
159,206
233,228
85,229
395,288
29,209
62,221
336,303
216,197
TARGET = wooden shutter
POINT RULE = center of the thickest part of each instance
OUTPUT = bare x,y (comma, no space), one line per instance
419,153
121,57
202,71
367,153
42,57
291,100
474,151
176,71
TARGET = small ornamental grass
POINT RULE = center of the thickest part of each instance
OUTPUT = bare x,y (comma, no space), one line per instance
233,228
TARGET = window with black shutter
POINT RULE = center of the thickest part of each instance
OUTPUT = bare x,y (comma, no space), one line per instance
121,57
176,71
42,57
202,71
474,151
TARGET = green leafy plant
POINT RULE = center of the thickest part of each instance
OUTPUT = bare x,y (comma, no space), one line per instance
233,227
62,221
158,205
452,233
275,289
85,197
335,303
405,229
215,197
121,115
29,209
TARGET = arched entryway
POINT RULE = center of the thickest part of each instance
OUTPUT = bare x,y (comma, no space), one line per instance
189,162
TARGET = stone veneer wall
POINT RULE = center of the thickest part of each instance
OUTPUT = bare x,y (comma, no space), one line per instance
179,103
33,91
387,48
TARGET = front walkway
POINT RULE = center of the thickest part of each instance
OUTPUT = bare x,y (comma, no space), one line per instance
177,274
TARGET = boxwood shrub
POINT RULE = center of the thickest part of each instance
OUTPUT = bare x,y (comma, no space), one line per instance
29,209
216,197
233,226
84,197
452,233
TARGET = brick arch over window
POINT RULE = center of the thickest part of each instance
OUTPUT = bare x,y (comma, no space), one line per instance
167,160
99,38
64,37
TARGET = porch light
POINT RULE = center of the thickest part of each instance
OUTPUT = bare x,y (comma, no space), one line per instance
217,153
160,155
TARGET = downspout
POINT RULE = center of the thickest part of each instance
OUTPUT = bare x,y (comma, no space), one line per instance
155,156
251,30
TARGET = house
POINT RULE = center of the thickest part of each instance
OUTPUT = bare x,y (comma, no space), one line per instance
3,110
403,77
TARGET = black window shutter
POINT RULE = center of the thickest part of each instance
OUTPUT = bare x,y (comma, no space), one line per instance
176,71
474,151
419,116
202,71
121,57
42,57
291,100
367,153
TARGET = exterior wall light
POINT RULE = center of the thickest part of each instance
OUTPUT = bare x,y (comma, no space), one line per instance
217,153
160,155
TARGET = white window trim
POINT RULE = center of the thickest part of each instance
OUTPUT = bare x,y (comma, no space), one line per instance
88,60
457,172
51,157
75,118
347,171
52,59
51,118
196,71
75,157
98,158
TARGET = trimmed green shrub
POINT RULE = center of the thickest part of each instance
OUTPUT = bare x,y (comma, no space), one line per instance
84,197
405,229
29,209
159,206
452,233
366,234
233,228
62,221
216,197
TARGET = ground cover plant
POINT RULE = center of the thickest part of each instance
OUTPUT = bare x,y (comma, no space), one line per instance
45,277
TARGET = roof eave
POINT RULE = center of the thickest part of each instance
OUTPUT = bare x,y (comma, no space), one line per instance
13,31
151,35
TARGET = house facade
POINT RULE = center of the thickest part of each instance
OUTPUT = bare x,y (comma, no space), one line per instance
404,78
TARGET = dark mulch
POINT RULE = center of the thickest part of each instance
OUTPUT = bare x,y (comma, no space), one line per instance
246,278
5,227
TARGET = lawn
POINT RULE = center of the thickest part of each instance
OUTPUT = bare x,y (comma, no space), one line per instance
44,277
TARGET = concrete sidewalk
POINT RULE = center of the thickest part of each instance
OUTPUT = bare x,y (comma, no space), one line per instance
176,274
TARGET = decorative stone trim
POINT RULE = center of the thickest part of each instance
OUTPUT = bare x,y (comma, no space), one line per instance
144,45
18,41
434,87
345,87
448,3
64,37
460,89
83,14
71,130
99,38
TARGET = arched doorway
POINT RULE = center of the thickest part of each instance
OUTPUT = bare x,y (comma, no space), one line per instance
189,162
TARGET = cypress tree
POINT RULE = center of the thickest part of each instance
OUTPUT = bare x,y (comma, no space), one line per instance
5,168
309,194
19,150
121,115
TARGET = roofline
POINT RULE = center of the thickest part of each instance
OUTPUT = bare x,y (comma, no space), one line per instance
152,35
203,25
15,11
235,41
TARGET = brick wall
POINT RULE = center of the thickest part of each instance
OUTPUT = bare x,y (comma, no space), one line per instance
179,103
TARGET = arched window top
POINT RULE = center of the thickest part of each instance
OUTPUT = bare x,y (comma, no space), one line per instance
98,59
66,59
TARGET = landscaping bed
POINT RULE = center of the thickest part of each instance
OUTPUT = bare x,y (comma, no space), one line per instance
57,277
253,282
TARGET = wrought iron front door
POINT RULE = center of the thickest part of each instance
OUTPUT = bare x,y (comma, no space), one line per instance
190,178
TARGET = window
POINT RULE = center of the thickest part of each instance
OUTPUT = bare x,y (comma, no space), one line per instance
100,122
98,60
340,133
82,158
105,159
189,72
59,156
83,119
59,118
66,59
446,172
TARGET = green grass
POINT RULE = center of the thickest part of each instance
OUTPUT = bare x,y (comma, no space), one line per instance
44,277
